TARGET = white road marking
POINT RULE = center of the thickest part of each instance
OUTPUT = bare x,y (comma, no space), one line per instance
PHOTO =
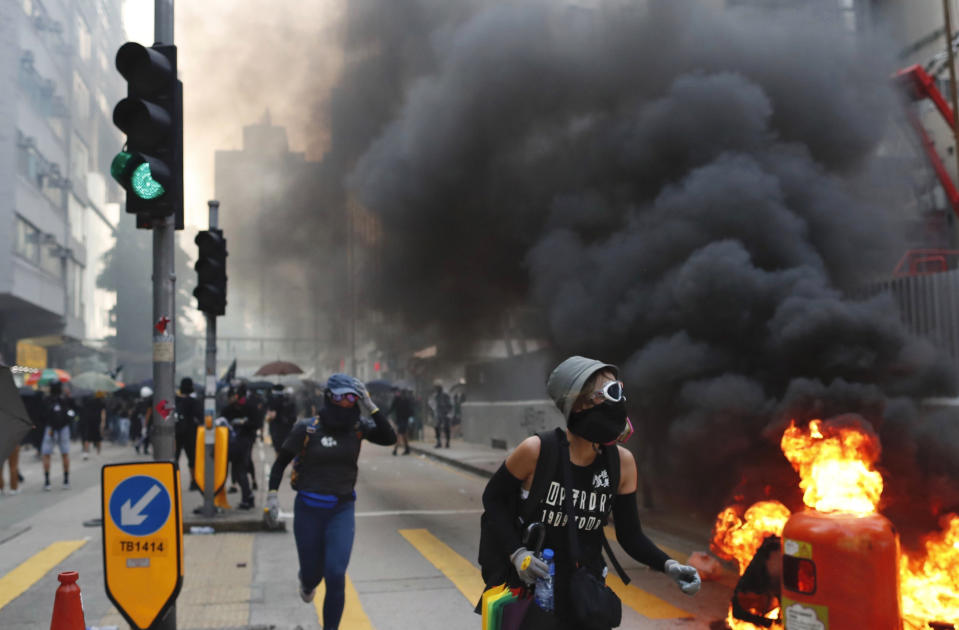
417,512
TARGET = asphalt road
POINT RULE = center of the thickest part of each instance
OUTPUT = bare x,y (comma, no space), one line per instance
413,562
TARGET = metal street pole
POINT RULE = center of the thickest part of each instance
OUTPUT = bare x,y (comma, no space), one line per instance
164,313
209,401
952,78
164,292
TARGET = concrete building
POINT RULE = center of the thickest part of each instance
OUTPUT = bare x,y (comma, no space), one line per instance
280,304
58,209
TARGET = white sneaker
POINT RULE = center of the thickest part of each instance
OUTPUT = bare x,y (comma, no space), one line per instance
66,485
47,487
86,456
17,491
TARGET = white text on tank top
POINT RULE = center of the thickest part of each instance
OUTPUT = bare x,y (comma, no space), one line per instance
590,505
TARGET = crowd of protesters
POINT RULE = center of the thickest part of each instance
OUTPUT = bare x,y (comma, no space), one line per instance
68,421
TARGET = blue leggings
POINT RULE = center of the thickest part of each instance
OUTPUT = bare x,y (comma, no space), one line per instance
324,540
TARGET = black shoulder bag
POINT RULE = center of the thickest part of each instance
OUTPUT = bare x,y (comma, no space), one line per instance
595,605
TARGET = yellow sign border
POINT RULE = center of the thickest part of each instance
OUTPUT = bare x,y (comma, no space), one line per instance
177,508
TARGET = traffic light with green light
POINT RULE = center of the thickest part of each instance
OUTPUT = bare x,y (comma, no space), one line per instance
210,266
150,166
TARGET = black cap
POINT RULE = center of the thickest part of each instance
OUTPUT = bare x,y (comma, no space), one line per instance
186,385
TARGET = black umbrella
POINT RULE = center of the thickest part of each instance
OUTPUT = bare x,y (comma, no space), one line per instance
14,420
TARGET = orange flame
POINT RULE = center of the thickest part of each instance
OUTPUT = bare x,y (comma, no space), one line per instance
929,580
736,624
835,467
739,538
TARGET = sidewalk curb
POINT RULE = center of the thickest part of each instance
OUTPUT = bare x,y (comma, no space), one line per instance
433,454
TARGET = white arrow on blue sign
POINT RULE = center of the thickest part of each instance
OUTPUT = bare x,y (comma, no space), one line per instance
140,505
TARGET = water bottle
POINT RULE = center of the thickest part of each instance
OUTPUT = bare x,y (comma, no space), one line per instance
543,594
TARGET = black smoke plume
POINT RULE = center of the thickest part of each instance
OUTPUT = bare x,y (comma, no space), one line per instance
688,191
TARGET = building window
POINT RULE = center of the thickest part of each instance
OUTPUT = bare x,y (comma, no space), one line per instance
81,97
38,248
74,284
29,161
50,260
75,212
79,165
27,243
104,105
83,39
42,92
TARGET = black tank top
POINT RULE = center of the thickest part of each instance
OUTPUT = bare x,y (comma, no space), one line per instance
592,502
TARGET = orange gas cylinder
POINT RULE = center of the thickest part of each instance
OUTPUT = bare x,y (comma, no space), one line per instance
840,572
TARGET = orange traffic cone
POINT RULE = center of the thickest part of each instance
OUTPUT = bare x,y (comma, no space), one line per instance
68,607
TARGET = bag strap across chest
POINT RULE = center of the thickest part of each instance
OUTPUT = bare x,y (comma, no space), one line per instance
571,529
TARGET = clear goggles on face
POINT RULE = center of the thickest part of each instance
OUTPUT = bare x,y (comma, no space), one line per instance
611,392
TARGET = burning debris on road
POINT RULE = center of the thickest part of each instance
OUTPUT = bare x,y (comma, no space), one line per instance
840,554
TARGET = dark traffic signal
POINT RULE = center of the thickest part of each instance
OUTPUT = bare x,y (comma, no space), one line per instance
211,272
150,167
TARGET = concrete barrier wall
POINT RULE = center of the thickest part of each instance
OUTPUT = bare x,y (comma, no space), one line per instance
506,424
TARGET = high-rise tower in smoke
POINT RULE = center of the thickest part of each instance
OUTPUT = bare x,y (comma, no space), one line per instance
275,309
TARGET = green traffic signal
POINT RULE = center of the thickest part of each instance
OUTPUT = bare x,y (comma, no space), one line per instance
143,184
134,173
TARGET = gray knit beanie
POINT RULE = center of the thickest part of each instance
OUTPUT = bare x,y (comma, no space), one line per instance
567,379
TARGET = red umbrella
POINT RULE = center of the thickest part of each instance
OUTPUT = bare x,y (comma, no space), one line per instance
278,368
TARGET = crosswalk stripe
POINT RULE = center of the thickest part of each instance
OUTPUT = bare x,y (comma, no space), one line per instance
646,604
456,568
354,617
31,570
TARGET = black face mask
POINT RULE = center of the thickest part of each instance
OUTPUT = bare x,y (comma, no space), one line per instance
336,418
602,423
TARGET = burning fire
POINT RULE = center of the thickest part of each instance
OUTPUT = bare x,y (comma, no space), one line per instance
739,538
834,463
736,624
929,581
835,468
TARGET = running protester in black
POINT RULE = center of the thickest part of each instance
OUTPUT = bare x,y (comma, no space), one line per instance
592,400
324,451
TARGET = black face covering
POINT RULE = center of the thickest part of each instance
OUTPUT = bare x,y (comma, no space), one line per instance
336,418
602,423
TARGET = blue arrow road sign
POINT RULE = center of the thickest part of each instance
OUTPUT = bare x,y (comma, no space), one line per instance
140,505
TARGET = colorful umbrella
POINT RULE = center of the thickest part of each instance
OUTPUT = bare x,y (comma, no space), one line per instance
47,376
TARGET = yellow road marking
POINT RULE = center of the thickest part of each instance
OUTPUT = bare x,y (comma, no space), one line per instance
455,567
354,618
28,573
646,604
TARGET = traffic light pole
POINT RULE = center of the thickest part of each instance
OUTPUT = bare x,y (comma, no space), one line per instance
164,313
209,402
164,291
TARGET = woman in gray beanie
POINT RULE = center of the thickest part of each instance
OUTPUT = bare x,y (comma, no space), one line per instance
592,400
